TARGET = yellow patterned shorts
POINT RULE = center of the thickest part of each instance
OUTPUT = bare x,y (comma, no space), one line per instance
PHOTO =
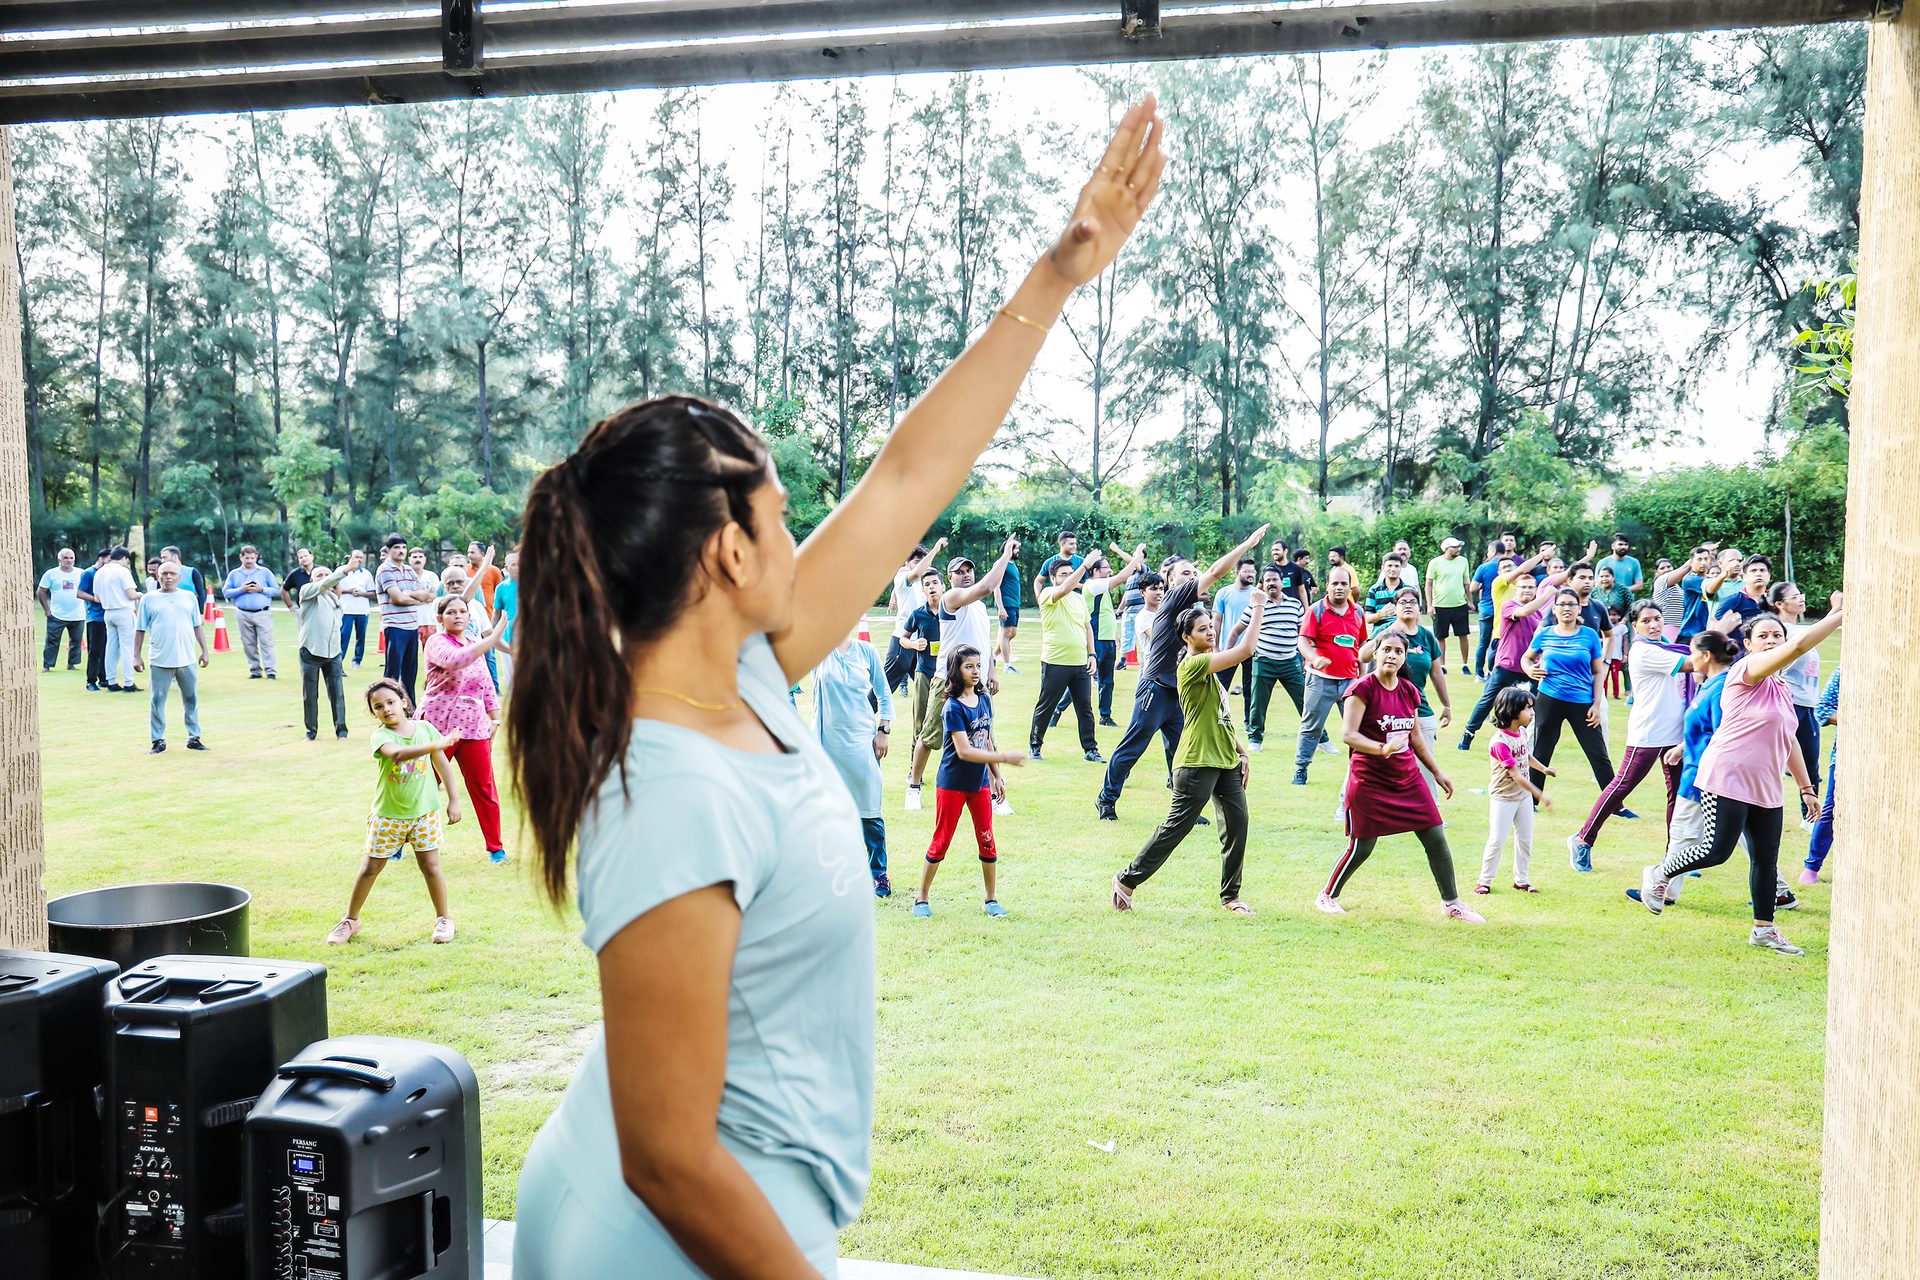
388,836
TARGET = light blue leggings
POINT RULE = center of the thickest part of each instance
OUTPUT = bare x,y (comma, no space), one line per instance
565,1231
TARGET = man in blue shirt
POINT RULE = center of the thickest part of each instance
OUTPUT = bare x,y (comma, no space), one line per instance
1626,568
1696,589
1756,573
1009,615
66,612
251,589
1481,588
170,619
96,626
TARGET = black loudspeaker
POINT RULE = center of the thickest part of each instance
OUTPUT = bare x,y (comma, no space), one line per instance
194,1041
53,1073
363,1163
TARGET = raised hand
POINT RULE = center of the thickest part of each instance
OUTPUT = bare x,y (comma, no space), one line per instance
1112,202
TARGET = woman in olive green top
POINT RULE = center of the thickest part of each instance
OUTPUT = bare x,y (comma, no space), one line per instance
1211,762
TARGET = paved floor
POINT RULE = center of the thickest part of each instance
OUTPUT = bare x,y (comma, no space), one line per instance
499,1240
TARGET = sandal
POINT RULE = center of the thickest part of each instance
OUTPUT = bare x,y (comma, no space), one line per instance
1524,888
1238,907
1483,889
1122,896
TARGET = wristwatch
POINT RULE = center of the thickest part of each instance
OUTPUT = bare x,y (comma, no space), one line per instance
886,727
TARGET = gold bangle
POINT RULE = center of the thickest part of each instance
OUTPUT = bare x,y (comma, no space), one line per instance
1017,318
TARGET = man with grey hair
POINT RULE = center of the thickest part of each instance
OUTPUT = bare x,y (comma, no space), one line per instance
170,619
251,589
323,647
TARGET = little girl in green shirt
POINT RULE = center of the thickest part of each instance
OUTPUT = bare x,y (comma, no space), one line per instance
406,806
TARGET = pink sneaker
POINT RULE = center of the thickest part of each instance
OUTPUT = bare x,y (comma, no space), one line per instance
1454,911
443,928
1809,876
1329,904
343,931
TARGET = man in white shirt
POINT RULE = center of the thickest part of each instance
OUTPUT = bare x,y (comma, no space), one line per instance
118,596
170,620
66,612
356,598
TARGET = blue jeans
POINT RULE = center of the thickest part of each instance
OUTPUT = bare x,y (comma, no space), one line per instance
1156,709
1485,646
160,679
354,625
403,658
874,832
1820,843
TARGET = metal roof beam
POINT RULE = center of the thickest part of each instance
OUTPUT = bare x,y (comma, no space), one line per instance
1274,30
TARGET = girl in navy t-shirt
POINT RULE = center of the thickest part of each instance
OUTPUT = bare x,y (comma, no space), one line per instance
969,776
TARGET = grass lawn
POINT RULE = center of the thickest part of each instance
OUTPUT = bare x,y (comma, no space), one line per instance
1575,1090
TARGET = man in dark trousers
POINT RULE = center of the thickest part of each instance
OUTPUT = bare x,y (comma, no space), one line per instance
1156,702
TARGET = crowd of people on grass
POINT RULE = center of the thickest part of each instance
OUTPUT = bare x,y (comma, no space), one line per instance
1558,642
458,620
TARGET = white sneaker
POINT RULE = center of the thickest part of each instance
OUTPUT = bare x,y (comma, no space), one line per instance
913,799
1328,749
1653,889
1330,905
1003,807
1461,912
343,931
1254,747
443,929
1773,940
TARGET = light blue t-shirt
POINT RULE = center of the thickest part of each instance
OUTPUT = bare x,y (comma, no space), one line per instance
1231,603
1569,661
169,619
782,830
63,594
1626,571
506,604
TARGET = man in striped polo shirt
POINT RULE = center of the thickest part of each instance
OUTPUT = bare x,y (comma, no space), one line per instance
1276,653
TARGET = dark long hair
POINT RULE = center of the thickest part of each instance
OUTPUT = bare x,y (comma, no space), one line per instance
957,656
609,559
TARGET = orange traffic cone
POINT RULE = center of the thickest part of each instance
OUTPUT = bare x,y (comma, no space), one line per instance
220,642
864,633
380,640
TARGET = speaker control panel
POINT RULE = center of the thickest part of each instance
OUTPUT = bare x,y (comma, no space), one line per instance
306,1227
151,1156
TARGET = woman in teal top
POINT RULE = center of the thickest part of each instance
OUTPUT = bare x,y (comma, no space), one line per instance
720,1125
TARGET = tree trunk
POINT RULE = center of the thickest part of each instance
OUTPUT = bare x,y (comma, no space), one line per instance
149,373
99,353
23,910
1870,1194
36,483
484,412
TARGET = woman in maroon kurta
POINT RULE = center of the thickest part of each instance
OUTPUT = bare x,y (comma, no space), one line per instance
1385,794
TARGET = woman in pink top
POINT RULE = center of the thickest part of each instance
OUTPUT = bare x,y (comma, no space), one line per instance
461,701
1739,778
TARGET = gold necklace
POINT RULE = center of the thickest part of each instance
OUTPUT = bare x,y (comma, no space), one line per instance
697,705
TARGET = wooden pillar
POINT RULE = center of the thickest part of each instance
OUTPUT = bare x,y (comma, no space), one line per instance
23,916
1870,1194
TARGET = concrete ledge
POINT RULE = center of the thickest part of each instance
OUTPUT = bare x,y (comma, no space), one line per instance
499,1259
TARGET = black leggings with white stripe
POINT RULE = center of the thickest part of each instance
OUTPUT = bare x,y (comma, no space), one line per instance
1725,822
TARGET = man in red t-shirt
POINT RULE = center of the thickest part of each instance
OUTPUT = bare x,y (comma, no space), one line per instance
1330,641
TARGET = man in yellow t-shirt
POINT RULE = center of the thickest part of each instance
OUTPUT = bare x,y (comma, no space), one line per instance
1067,648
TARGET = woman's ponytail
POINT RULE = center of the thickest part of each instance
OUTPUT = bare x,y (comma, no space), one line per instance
610,555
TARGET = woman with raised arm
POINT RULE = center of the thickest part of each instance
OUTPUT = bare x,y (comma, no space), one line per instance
1740,771
1210,765
721,1124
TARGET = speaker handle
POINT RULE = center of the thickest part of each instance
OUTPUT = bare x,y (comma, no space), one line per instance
329,1069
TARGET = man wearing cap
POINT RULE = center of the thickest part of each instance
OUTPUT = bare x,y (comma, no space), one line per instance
963,621
1447,578
250,589
66,612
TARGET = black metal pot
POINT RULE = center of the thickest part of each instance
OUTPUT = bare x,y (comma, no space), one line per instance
132,923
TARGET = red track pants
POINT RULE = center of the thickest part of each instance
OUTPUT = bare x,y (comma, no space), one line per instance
946,820
474,756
